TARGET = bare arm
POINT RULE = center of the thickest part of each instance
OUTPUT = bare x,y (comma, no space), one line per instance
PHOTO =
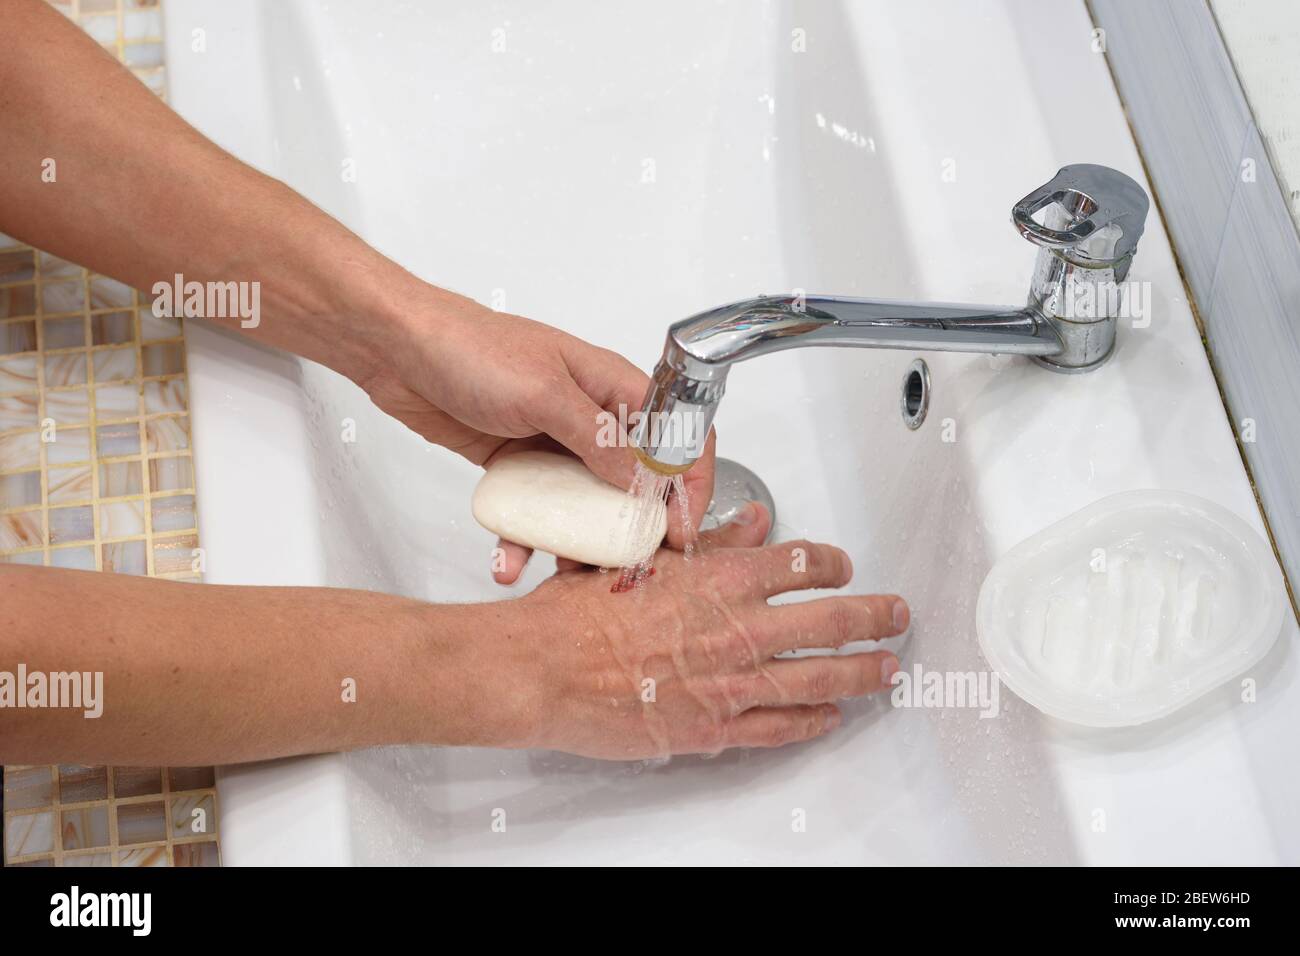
197,674
141,195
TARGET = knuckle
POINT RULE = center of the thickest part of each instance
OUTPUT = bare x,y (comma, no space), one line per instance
863,679
827,562
814,559
738,694
778,733
824,721
821,684
742,656
790,555
809,725
843,621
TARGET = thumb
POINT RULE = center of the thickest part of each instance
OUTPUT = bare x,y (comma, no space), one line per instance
590,432
747,530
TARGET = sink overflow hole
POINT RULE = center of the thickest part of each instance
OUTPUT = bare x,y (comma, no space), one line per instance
916,394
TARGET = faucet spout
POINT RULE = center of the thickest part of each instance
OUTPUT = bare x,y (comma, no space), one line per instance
743,330
1086,223
690,378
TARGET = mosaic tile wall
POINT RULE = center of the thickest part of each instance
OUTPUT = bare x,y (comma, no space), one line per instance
96,473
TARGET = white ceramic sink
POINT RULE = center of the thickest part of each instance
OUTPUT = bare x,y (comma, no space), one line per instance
516,177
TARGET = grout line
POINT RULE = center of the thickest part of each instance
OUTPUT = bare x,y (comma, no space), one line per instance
146,481
57,795
112,816
121,31
123,849
167,814
86,542
91,411
141,798
42,446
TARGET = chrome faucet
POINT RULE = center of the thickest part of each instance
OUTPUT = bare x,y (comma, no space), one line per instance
1092,218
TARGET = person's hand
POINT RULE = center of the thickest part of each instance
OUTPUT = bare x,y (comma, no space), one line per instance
687,662
483,384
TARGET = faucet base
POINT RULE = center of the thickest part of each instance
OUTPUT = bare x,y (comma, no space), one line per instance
1046,362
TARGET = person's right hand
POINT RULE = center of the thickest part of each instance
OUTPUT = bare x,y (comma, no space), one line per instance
687,662
486,384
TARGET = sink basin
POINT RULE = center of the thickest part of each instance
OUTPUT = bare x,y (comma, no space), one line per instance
609,172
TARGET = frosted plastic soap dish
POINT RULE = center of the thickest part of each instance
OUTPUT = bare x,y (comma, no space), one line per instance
1130,608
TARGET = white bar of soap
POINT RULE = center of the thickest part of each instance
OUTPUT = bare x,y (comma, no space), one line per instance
552,503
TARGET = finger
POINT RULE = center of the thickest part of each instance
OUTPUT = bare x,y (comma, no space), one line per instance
698,481
789,566
777,726
513,446
606,377
819,680
748,529
830,622
609,385
576,422
508,561
568,564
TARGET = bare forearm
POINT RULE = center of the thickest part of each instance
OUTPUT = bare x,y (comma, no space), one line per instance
197,674
136,193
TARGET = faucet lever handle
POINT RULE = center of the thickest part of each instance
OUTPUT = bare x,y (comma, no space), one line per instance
1095,214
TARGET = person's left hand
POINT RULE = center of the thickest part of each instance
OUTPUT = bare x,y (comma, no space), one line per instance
485,383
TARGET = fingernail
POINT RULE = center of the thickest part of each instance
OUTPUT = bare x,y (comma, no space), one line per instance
888,668
901,615
746,515
834,718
